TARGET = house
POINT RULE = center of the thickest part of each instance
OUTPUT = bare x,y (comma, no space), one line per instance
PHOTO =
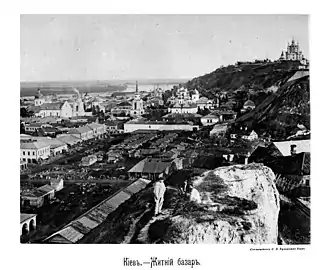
68,139
57,109
57,184
151,168
114,127
219,129
249,135
204,103
98,129
225,115
33,151
33,127
209,120
84,133
183,108
122,108
56,146
287,148
113,156
38,197
243,133
89,160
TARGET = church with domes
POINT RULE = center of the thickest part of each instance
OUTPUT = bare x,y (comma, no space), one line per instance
294,53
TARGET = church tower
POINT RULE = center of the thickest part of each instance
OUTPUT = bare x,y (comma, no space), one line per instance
137,109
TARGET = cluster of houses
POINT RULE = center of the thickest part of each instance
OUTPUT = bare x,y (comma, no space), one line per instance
34,149
42,195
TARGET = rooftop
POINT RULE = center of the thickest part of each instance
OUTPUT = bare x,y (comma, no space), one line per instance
301,146
148,165
26,216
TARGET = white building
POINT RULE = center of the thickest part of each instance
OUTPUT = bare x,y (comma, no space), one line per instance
58,109
209,120
183,108
32,151
250,136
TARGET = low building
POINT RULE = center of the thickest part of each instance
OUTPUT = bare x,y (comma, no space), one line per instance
89,160
28,223
249,135
134,125
183,108
38,197
33,127
84,133
57,109
57,184
113,156
98,129
33,151
209,120
150,168
68,139
219,129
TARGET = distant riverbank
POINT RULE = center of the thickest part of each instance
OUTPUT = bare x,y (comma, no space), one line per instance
66,87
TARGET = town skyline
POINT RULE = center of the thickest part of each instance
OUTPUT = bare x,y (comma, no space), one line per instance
102,47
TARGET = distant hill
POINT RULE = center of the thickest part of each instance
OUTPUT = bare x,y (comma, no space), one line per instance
277,112
257,76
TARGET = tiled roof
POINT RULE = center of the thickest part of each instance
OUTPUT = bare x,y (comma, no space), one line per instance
150,166
69,139
94,125
34,145
210,116
51,106
81,226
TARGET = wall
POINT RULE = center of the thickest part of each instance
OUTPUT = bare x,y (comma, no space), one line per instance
35,153
132,127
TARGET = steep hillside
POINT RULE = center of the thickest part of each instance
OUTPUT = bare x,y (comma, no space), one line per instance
256,76
240,205
284,109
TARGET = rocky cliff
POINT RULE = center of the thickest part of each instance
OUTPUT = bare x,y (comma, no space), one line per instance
240,205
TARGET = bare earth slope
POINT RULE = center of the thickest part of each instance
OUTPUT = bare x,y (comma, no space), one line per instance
240,205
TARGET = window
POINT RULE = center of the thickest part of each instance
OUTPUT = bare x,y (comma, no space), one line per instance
28,153
23,153
33,153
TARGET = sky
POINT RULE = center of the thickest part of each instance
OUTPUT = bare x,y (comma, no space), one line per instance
114,47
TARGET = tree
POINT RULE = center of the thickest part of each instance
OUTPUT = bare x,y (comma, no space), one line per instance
93,110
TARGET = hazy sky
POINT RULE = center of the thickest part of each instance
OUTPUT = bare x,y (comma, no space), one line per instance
105,47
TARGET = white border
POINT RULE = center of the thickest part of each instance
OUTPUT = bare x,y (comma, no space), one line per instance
110,256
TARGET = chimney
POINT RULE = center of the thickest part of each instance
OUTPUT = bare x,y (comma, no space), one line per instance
293,149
